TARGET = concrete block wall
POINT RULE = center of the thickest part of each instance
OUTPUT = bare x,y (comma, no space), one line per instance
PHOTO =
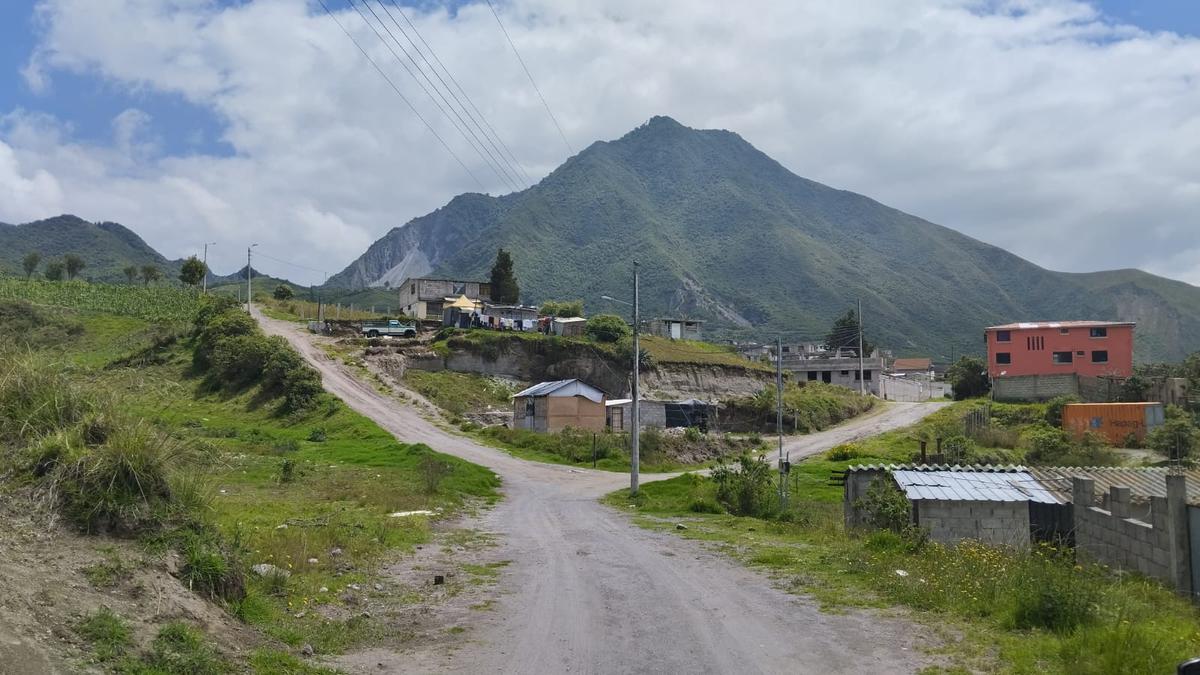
1156,547
991,522
1034,387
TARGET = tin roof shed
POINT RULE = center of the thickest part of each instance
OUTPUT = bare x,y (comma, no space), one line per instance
1007,486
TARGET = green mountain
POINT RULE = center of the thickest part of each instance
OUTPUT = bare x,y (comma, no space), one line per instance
727,234
106,248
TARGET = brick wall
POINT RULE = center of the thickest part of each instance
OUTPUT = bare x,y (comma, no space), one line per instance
1156,546
996,523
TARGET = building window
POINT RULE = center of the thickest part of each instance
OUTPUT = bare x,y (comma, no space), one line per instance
1035,343
1003,336
1003,358
1099,333
812,375
1062,357
1064,331
1100,356
867,374
845,373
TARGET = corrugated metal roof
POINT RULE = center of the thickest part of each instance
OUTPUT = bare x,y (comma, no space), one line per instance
986,468
1143,482
912,364
562,388
1004,486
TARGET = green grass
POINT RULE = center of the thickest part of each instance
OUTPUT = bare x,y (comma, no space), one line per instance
664,350
108,572
108,634
998,611
460,393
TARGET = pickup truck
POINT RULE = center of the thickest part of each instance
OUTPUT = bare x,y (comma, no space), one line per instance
392,327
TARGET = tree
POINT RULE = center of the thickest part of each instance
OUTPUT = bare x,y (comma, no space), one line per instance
607,328
192,272
1177,437
131,273
30,263
74,265
566,308
54,271
283,292
150,273
969,378
844,335
1133,390
504,283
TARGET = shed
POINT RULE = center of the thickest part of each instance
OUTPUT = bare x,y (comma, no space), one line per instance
1116,422
553,406
569,326
677,329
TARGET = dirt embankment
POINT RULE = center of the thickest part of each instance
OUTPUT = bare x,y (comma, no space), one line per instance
52,577
530,360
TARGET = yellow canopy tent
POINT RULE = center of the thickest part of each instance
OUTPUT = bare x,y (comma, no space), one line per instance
463,302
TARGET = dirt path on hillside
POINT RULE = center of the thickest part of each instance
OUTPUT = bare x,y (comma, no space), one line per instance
589,592
885,418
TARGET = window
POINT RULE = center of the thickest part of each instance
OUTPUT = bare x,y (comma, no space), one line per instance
1003,336
529,408
845,373
1099,333
1100,356
812,375
1035,343
1064,331
1003,358
1062,357
867,374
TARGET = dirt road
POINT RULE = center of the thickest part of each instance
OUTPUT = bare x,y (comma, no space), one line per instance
589,592
887,417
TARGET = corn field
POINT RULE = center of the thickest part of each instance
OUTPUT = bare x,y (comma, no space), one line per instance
152,303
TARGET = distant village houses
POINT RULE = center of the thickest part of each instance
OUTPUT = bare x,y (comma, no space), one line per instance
550,407
677,329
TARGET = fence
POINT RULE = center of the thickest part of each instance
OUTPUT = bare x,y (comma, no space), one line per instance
912,391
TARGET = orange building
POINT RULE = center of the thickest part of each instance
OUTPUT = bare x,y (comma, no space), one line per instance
1116,422
1093,348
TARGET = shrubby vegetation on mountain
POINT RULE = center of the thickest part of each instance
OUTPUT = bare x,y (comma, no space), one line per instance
727,234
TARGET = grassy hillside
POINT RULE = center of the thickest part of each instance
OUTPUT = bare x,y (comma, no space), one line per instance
725,233
234,470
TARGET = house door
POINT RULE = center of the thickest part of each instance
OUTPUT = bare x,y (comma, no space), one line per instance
676,331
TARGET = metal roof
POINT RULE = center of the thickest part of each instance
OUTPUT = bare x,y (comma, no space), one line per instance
912,364
1004,486
986,468
562,388
1025,325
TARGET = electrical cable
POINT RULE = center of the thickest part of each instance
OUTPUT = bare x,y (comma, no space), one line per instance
404,98
530,76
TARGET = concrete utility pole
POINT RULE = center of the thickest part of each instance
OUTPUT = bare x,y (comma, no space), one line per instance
779,417
862,383
249,292
634,453
206,245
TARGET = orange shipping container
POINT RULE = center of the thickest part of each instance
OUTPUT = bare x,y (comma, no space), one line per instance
1114,421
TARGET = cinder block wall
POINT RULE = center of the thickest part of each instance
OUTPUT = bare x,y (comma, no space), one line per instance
996,523
1156,547
1034,387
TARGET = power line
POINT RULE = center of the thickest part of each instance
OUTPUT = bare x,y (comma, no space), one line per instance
287,262
530,76
485,128
490,163
402,96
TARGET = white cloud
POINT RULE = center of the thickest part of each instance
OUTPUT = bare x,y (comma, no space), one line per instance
1035,125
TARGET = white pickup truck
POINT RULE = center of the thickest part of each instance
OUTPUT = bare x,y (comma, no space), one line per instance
374,329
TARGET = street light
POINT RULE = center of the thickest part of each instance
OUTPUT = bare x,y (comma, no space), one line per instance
206,245
634,452
248,290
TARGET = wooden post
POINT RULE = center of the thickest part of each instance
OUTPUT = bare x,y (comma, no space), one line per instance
924,455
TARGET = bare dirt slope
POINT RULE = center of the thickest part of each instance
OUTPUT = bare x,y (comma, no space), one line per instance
589,592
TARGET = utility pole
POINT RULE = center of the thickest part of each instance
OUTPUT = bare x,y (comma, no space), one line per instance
206,245
862,383
634,457
779,418
249,292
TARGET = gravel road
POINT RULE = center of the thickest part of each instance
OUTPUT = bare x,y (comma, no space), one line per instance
589,592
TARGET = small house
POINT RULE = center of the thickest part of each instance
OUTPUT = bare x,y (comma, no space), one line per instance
659,414
425,298
550,407
571,326
676,329
912,367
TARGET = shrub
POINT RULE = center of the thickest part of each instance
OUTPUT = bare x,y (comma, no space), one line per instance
1054,409
37,400
968,376
1045,443
433,470
1052,596
746,489
844,452
884,506
317,435
1177,437
607,328
287,471
211,568
283,292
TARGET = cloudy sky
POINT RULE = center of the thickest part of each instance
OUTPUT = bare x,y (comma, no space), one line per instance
1065,131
